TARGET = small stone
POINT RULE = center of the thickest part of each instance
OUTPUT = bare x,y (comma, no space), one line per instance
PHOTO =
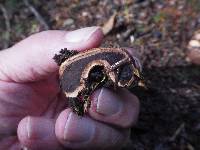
85,14
194,43
143,14
118,36
197,37
132,39
68,22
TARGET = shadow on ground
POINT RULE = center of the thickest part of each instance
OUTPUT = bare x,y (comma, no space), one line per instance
170,110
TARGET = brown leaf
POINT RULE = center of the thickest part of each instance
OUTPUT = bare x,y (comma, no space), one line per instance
108,26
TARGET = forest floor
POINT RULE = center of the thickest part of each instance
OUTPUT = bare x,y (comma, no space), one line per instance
159,30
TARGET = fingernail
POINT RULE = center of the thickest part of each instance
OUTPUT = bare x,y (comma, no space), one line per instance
39,128
108,103
80,35
78,129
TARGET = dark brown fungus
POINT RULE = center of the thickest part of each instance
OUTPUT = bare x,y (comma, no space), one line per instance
82,73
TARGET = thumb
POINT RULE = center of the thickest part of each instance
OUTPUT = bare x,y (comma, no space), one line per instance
31,59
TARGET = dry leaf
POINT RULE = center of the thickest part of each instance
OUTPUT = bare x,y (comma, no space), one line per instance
108,26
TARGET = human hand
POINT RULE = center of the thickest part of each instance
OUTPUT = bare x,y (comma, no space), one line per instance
34,113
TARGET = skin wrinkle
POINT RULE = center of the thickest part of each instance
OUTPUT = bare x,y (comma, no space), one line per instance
3,75
39,72
15,77
61,104
46,103
12,94
32,71
13,114
47,109
33,75
51,109
5,113
11,66
8,103
50,87
50,102
20,113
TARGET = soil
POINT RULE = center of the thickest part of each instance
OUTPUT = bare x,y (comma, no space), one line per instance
159,31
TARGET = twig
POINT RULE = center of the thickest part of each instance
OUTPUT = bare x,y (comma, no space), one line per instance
190,147
37,14
7,23
177,132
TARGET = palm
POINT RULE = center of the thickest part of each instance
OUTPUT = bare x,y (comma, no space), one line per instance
18,100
